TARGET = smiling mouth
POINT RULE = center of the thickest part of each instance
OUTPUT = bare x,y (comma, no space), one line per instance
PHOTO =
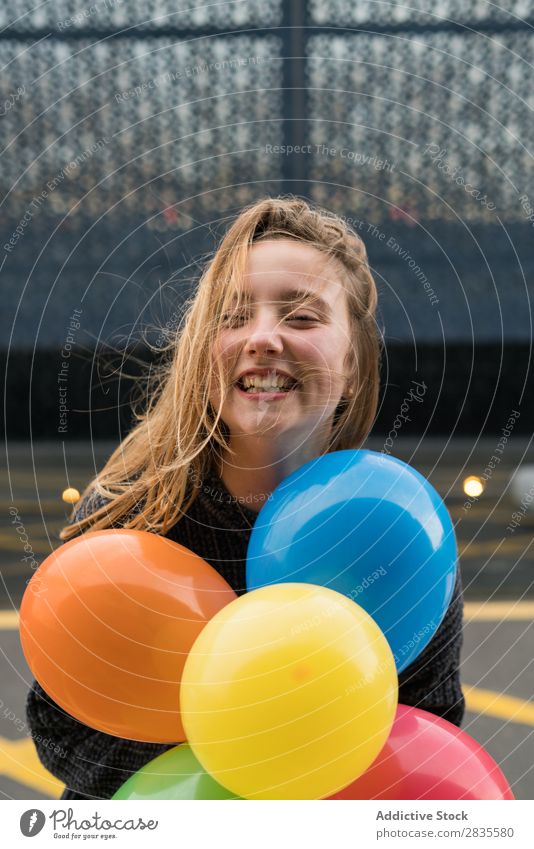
289,387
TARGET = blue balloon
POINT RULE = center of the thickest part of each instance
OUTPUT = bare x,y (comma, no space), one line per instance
369,526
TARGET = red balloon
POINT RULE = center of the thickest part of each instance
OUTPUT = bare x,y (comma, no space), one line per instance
426,757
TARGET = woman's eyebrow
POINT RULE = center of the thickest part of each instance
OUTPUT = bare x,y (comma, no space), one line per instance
307,296
299,295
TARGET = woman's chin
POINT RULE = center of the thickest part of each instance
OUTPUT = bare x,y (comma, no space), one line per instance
254,423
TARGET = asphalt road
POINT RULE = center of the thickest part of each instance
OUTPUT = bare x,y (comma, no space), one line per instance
497,570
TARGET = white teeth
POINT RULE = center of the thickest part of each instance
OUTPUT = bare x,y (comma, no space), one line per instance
272,381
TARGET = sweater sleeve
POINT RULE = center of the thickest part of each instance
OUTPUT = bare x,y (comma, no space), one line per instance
432,681
91,763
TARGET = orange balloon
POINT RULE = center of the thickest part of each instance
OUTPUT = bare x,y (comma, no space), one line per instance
107,622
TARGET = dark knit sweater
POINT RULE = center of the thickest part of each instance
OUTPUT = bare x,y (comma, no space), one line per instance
94,765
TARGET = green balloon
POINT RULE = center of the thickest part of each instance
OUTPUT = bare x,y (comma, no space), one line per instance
175,774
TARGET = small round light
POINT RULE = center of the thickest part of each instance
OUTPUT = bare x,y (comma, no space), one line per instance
473,486
70,495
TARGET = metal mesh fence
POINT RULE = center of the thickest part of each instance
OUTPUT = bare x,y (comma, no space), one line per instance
132,136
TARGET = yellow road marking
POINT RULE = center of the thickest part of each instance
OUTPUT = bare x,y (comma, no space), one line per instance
501,706
21,570
32,506
38,545
19,761
475,611
494,611
497,547
9,620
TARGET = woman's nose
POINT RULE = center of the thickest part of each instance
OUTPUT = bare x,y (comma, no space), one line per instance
264,334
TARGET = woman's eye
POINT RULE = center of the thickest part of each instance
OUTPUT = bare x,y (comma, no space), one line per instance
236,318
233,318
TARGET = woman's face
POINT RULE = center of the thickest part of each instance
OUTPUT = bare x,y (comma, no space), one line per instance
275,334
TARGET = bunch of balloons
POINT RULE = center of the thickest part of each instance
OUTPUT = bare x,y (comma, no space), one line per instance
289,691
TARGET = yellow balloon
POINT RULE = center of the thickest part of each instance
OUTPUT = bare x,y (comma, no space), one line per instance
288,692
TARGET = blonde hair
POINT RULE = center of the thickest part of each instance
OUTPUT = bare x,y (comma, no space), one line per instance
162,461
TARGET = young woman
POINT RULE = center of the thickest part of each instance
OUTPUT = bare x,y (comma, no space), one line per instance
276,362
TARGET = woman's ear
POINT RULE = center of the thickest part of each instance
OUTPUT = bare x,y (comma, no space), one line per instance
349,388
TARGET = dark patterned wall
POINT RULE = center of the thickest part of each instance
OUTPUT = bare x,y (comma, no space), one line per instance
132,135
